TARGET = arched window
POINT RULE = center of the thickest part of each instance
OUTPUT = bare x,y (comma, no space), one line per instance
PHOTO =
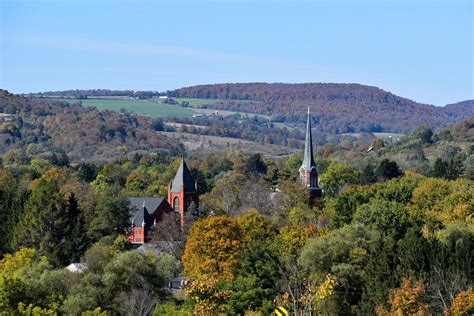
176,204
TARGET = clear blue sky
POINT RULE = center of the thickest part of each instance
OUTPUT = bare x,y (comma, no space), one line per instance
422,50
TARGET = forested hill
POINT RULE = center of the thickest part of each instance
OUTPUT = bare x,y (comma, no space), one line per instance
42,127
463,108
338,108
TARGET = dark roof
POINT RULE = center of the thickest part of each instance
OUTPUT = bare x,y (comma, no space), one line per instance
183,178
143,209
308,159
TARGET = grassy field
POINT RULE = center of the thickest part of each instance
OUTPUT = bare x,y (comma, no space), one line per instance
134,106
200,102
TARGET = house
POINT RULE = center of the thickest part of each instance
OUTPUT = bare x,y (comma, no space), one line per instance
147,211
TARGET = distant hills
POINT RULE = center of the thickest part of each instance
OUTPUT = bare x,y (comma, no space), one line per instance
337,108
44,127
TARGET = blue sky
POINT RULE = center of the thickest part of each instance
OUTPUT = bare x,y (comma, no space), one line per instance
422,50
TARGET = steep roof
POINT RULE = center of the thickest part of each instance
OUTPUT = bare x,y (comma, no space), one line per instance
308,159
143,209
183,178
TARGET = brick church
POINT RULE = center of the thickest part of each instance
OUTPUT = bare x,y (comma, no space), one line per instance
147,211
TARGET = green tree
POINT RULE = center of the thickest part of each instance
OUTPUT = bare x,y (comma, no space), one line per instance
344,253
388,169
111,215
43,225
255,166
337,176
75,231
12,200
368,175
423,134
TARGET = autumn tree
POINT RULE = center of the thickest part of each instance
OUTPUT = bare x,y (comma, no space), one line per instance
406,300
213,248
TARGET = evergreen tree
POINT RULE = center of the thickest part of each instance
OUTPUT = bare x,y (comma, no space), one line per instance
43,224
368,175
440,168
77,241
254,165
388,169
12,200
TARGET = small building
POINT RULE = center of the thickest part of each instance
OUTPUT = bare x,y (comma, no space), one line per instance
77,267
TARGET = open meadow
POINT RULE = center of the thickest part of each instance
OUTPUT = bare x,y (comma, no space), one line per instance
135,106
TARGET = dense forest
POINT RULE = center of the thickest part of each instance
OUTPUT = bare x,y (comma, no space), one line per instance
338,108
386,239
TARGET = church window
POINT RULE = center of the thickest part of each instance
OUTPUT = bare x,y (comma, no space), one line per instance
176,204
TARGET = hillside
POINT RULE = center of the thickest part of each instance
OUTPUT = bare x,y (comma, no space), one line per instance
463,108
43,127
338,108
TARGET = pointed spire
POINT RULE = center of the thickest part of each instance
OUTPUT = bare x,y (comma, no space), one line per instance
183,179
308,159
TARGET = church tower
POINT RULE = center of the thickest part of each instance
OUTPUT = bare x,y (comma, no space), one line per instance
308,170
182,191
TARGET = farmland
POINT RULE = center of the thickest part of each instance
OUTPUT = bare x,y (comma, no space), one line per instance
135,106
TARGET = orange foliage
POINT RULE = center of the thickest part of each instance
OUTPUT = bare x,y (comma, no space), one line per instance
463,303
406,300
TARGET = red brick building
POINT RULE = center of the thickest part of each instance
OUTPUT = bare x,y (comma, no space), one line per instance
147,211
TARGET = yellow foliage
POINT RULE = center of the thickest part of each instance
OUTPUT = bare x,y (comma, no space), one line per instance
326,288
212,249
206,297
463,303
441,202
292,238
12,263
255,226
31,310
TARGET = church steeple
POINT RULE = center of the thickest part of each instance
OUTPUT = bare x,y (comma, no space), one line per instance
308,170
308,159
183,191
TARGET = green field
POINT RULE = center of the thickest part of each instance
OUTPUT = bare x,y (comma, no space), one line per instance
135,106
200,102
